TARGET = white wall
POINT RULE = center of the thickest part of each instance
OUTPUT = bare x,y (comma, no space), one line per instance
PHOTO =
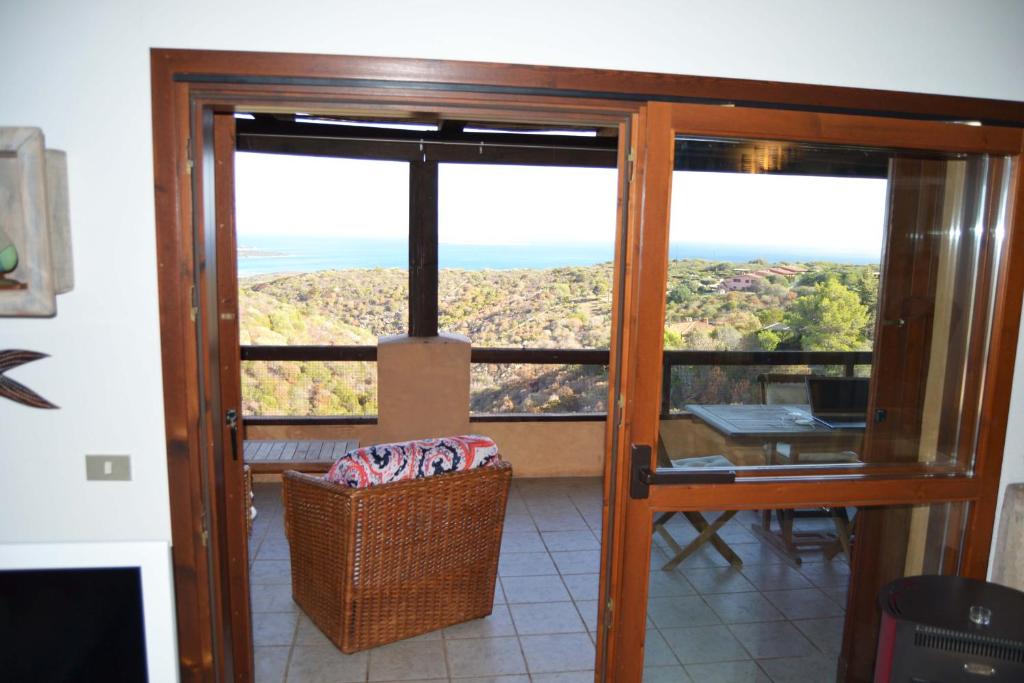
80,70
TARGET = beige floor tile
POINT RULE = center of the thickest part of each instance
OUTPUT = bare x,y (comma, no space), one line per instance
498,623
588,610
525,564
485,657
813,669
307,633
756,552
772,639
805,603
707,556
774,577
665,674
683,611
522,542
582,586
319,664
272,597
826,634
271,663
273,628
738,608
519,523
835,574
711,580
577,561
702,644
558,652
570,520
408,660
570,540
273,549
837,595
668,584
555,642
553,617
564,677
519,589
270,571
656,651
727,672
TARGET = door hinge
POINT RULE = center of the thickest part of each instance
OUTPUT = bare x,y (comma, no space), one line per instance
194,310
204,531
188,156
609,611
631,160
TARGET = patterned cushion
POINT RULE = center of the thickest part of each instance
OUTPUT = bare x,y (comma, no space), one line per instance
385,463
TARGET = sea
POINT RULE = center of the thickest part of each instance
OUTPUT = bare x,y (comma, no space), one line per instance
266,254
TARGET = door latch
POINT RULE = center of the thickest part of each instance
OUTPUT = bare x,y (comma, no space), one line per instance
641,477
231,420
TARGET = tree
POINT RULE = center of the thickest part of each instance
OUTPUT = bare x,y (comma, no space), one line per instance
728,337
680,294
830,318
768,340
673,340
767,316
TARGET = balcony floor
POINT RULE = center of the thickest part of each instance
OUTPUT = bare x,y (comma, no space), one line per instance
707,621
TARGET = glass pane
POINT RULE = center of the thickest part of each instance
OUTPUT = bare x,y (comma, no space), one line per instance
765,595
309,275
525,258
828,305
526,254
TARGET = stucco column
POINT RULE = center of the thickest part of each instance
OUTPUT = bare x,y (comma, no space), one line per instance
422,386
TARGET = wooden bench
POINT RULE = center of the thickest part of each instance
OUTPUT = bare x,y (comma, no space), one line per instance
266,456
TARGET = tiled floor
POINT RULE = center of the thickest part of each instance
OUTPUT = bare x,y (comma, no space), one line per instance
706,621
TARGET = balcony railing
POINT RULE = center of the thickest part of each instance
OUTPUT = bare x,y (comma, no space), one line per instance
677,388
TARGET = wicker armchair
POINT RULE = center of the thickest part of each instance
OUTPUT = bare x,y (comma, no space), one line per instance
374,565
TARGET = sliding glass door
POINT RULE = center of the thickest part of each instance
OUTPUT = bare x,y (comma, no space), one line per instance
810,407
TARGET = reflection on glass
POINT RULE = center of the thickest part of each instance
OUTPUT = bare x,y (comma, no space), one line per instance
790,263
752,595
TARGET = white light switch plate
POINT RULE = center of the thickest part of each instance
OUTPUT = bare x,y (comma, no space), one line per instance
108,467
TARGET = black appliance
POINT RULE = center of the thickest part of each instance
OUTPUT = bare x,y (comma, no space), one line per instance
948,629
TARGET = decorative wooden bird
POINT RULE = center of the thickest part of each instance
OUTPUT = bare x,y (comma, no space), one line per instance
15,390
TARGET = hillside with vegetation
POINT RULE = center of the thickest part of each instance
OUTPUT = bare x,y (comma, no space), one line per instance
811,306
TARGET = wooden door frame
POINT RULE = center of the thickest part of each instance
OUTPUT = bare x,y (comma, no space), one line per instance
185,83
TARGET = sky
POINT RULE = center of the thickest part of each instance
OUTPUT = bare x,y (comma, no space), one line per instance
488,205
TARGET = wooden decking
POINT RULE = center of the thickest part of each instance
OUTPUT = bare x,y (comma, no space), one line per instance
271,457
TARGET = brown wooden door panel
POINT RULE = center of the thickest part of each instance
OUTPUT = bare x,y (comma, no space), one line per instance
233,546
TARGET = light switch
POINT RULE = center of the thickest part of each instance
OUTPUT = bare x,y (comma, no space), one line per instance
108,467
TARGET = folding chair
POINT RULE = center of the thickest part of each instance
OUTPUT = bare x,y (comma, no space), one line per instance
707,532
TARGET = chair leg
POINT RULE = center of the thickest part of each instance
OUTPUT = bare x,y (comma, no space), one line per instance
659,528
842,523
786,518
708,533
